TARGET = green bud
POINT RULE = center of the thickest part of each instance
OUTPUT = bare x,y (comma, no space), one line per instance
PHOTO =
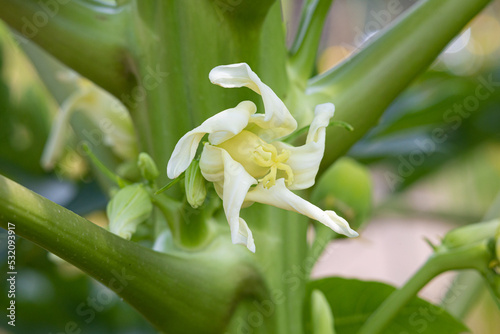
469,234
128,208
148,168
196,191
129,170
321,314
346,188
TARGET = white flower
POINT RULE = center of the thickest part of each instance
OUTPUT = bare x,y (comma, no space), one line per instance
104,110
242,151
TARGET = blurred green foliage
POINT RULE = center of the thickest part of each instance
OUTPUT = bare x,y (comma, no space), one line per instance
25,111
52,295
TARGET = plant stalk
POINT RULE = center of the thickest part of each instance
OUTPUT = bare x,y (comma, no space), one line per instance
156,284
470,257
365,85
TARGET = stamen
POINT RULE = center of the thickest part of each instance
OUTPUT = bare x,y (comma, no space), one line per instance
284,156
270,179
266,155
262,158
289,173
272,149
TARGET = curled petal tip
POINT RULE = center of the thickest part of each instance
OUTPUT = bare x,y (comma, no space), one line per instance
352,234
340,225
241,235
248,243
222,75
328,108
251,247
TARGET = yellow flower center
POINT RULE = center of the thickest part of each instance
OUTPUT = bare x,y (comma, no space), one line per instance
260,159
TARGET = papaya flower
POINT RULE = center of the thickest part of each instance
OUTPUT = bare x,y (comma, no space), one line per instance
104,110
247,163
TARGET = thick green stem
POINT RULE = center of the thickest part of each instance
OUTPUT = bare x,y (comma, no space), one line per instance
175,45
473,257
364,86
88,36
323,237
178,293
283,235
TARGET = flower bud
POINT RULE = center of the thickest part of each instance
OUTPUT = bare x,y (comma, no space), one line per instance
470,234
148,168
129,170
321,314
128,208
196,191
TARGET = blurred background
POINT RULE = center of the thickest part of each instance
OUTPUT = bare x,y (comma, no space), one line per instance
434,160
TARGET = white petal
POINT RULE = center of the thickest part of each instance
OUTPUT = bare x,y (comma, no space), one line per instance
98,105
277,121
281,197
217,166
54,146
212,164
322,115
305,160
221,127
119,132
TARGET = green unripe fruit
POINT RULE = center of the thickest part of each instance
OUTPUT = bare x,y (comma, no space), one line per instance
346,188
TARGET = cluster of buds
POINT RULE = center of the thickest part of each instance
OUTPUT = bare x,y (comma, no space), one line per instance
132,204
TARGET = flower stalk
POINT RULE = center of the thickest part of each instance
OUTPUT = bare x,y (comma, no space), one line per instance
475,256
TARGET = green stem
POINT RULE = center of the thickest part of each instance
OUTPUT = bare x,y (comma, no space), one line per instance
302,131
459,304
323,237
473,257
170,184
88,36
85,130
102,168
169,45
188,226
305,46
178,293
363,87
